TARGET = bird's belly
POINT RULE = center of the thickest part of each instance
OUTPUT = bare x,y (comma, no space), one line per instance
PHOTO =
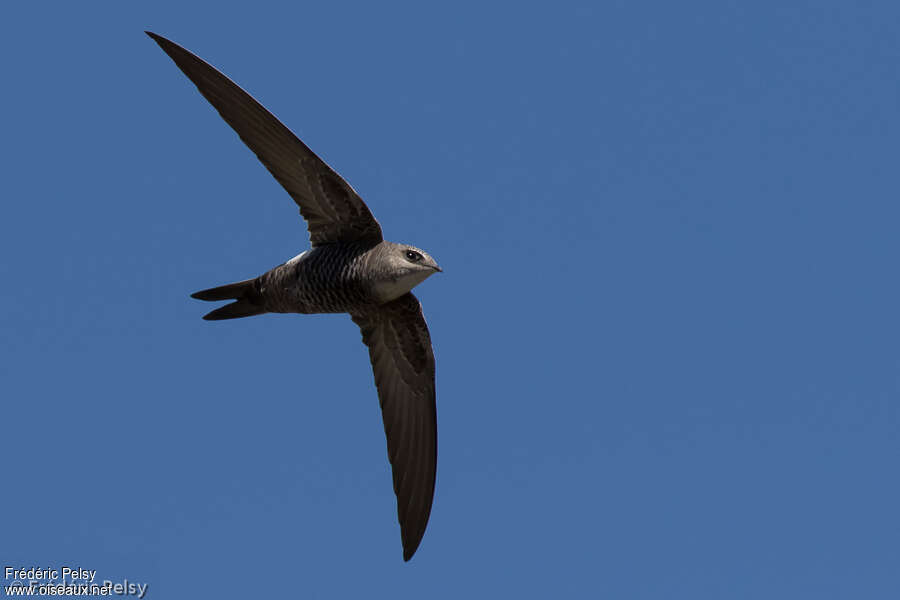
330,298
320,280
300,287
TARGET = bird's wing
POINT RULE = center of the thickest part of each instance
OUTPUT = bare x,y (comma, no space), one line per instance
403,362
333,210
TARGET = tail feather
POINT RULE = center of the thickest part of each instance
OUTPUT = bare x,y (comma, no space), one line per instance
235,310
249,301
230,291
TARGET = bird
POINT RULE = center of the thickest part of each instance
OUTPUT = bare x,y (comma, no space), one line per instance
349,268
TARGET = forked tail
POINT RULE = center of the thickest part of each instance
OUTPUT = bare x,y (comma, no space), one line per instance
246,293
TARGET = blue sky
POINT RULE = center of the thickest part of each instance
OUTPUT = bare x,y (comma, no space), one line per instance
666,334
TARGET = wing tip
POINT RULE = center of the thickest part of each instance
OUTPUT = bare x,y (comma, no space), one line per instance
160,41
164,43
411,545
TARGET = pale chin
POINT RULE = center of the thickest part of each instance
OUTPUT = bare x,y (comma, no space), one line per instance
391,289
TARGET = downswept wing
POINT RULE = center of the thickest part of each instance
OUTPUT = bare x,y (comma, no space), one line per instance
333,210
403,362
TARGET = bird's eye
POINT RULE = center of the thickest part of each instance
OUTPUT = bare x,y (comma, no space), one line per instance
413,256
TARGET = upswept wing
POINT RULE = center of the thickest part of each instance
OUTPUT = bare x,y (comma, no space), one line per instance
403,363
333,210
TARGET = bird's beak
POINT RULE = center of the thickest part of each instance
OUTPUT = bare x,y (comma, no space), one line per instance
437,268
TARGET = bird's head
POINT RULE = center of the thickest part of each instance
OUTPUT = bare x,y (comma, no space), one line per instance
401,268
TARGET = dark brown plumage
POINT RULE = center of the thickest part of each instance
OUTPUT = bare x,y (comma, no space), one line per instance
350,268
